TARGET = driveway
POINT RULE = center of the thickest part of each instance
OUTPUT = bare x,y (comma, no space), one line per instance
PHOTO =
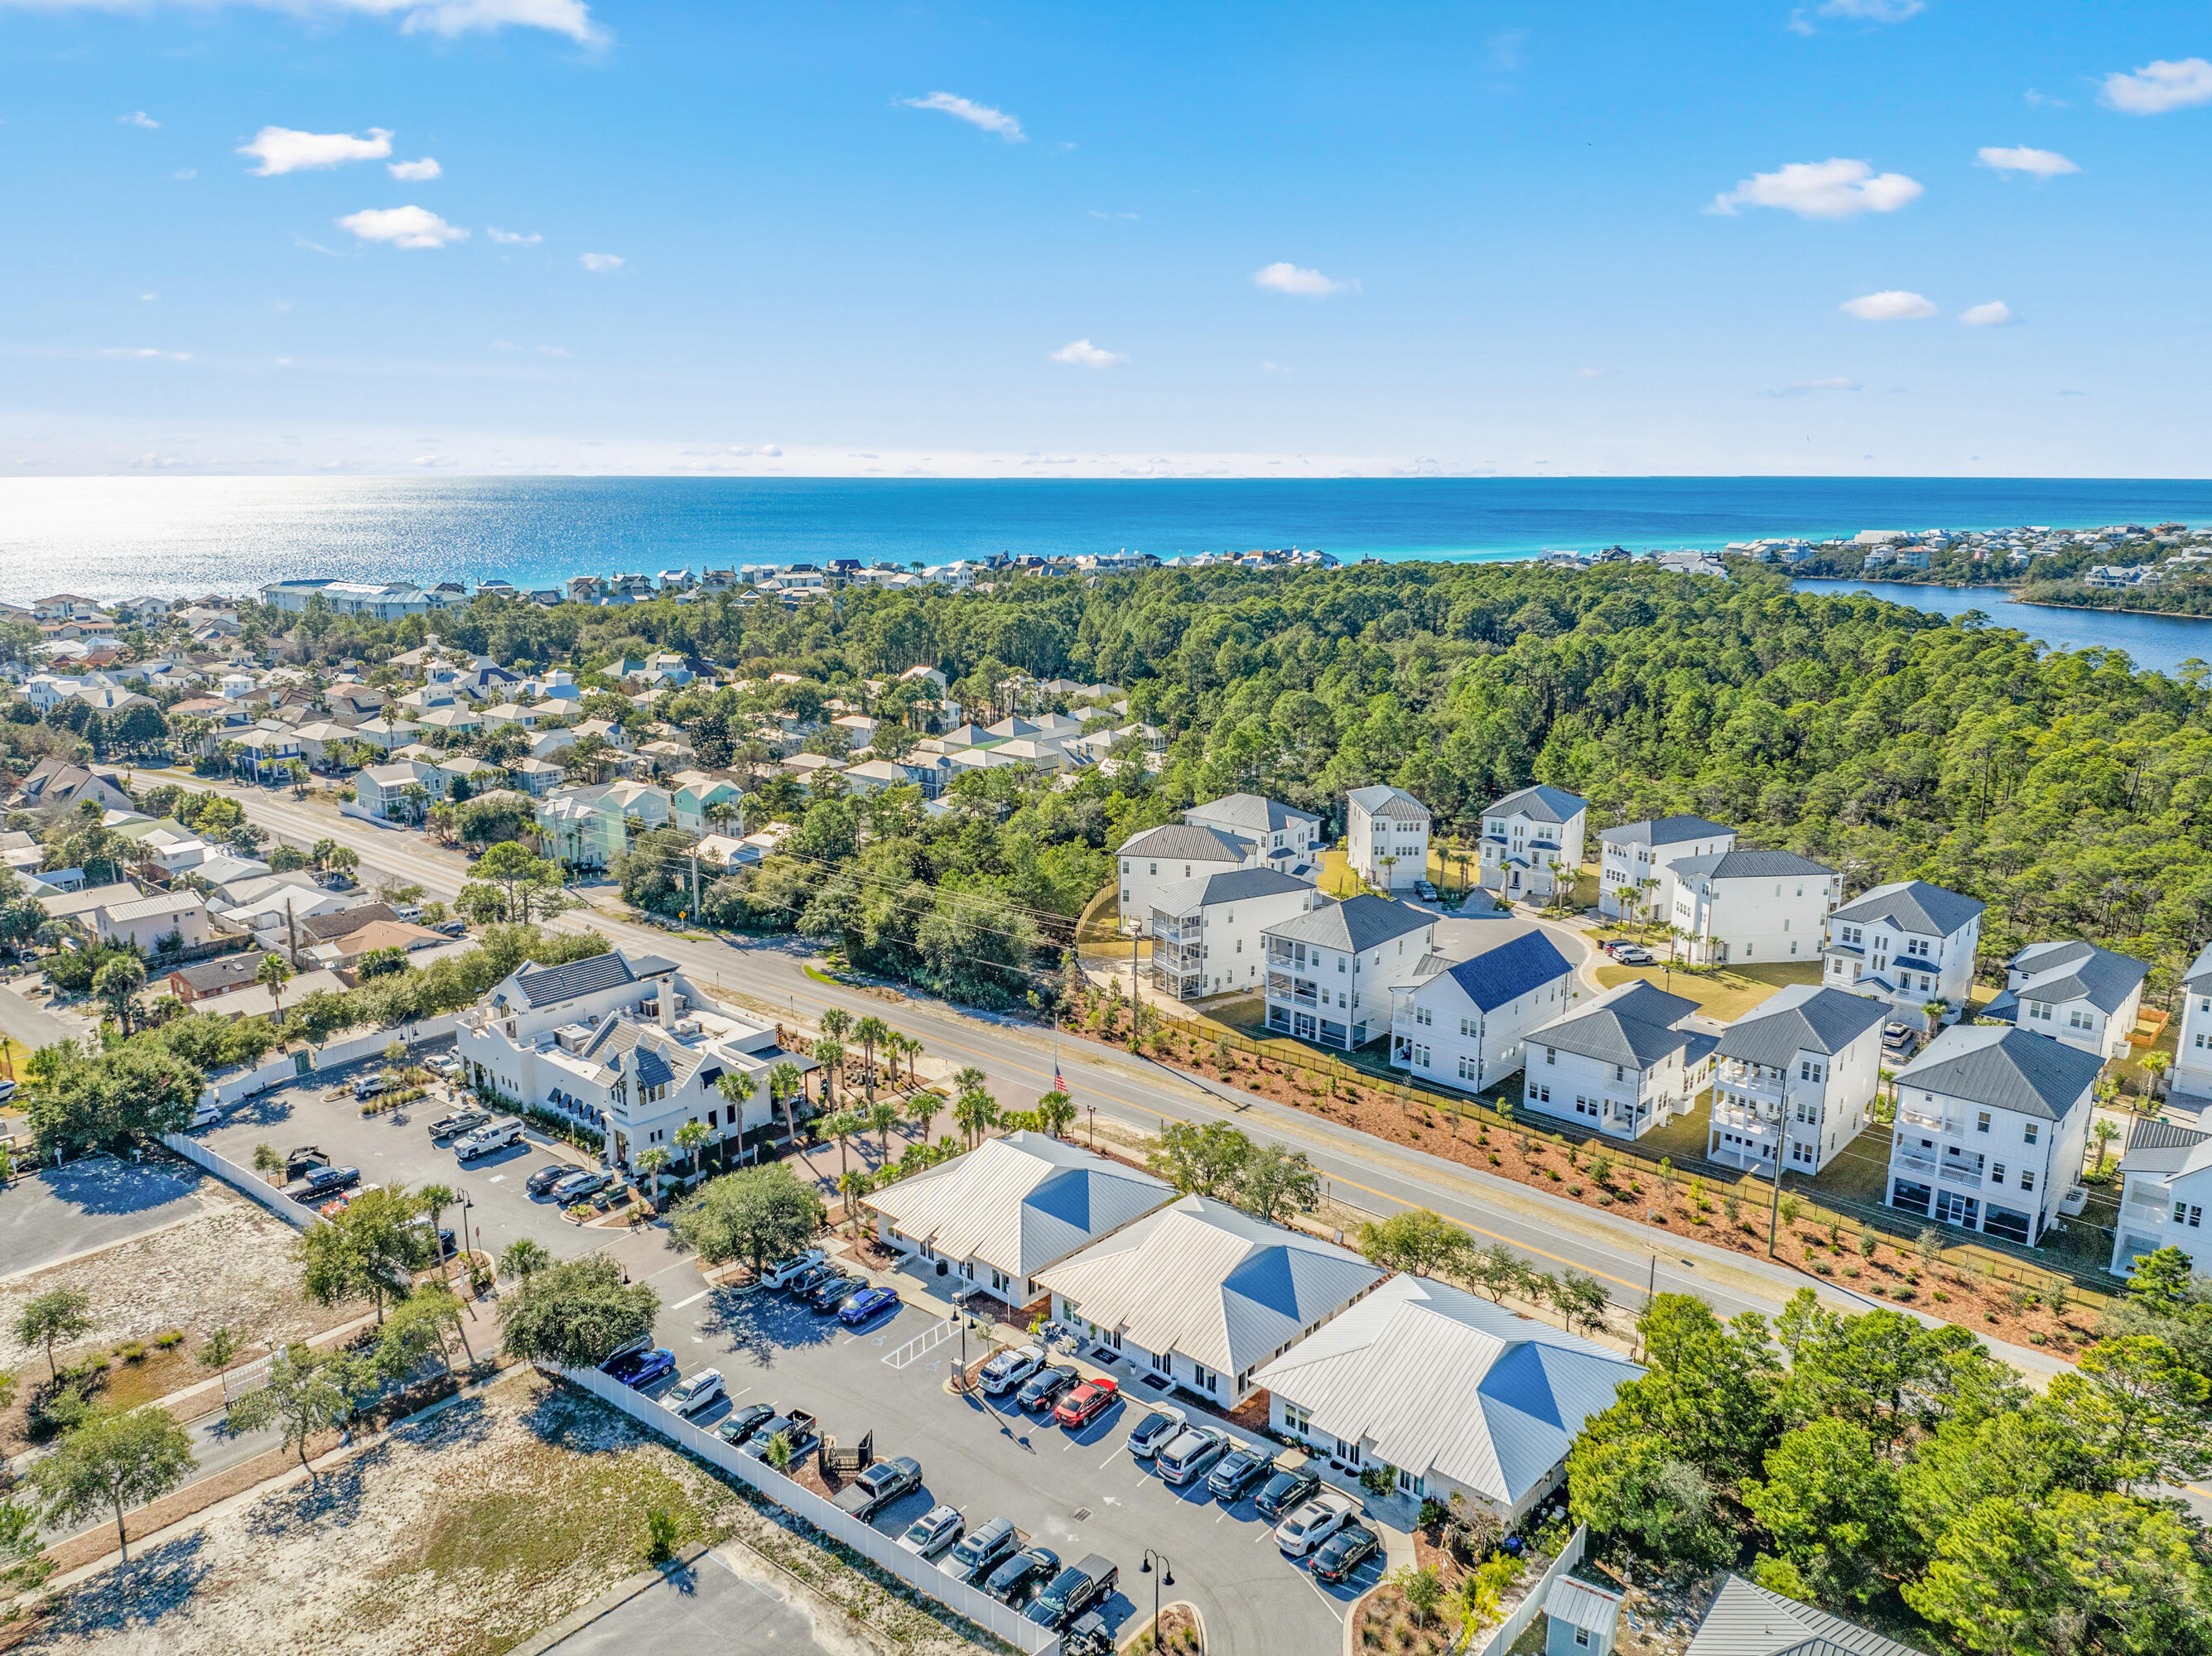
1076,1492
727,1602
96,1202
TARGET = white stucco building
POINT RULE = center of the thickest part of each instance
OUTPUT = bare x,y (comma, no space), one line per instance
1387,837
1794,1079
2165,1186
1524,835
1463,1017
1622,1065
1904,944
1634,858
1751,908
1991,1125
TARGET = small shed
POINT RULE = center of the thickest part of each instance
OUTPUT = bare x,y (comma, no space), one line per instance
1583,1619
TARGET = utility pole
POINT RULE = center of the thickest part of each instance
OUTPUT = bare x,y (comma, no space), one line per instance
1133,991
695,879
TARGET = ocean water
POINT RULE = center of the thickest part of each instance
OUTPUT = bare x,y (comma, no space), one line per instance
112,537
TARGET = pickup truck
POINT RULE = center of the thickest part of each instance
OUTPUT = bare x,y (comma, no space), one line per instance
496,1136
321,1182
876,1488
798,1428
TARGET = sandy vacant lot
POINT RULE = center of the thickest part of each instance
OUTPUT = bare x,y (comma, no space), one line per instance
228,1265
463,1535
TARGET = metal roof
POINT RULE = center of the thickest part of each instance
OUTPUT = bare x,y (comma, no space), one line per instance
1746,1619
1539,805
148,909
1356,924
1176,840
1802,1018
1579,1603
1751,865
551,985
1020,1203
1202,1279
1438,1379
1912,906
1236,885
1383,800
2061,972
2005,1068
1510,970
1633,1025
2200,972
1663,831
1251,813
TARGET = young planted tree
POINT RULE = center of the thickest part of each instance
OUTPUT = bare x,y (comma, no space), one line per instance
1417,1241
306,1392
830,1055
843,1126
924,1107
882,1117
433,1199
273,974
691,1139
117,983
57,1314
113,1462
977,1112
870,1032
853,1187
522,1259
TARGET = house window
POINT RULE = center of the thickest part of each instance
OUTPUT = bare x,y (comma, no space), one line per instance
2027,1178
1981,1122
1808,1071
1582,1636
1420,1057
1296,1420
1467,1026
2031,1130
1996,1172
2077,1019
1551,1055
1205,1379
1163,1362
1538,1095
2184,1213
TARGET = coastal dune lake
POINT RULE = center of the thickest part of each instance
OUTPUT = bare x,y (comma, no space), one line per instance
2162,642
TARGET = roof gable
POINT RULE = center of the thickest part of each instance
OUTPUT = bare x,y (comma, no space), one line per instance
1912,906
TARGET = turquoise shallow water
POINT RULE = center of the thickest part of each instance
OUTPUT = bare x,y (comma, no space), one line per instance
112,537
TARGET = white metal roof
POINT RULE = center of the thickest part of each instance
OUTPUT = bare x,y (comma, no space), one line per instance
1019,1203
1217,1285
1441,1380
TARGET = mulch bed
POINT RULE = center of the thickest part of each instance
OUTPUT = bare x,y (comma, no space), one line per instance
1178,1631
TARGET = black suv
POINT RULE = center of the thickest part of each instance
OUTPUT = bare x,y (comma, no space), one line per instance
1240,1469
1285,1492
1045,1386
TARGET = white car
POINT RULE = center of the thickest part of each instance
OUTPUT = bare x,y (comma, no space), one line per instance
1010,1368
695,1391
1308,1527
785,1271
933,1531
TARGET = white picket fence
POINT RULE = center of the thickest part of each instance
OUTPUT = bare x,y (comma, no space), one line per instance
921,1574
1516,1623
247,1182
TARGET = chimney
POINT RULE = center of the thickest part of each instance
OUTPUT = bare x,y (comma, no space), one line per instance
668,1002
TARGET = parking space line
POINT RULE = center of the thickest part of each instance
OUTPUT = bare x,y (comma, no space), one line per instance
694,1300
1109,1460
1327,1602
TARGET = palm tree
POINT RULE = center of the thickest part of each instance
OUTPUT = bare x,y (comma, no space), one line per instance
1055,1113
652,1162
273,974
786,1082
692,1136
434,1199
977,1112
902,1045
836,1024
924,1106
2155,1066
830,1054
855,1186
417,798
870,1032
967,1079
522,1260
882,1118
842,1126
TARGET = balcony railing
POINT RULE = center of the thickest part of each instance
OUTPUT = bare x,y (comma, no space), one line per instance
1919,1117
1743,1120
1913,1163
1955,1174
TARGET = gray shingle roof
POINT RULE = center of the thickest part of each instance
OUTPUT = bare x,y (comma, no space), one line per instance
1913,906
2060,971
1635,1028
1663,831
1184,840
1383,800
2004,1068
1802,1018
2200,972
1236,885
1356,924
1253,813
1746,1619
555,984
1752,865
1539,805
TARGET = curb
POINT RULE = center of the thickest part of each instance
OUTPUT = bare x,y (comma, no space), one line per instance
1197,1621
612,1600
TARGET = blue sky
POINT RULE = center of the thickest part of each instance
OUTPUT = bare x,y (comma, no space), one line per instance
988,240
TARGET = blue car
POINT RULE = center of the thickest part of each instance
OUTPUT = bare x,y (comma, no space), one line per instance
868,1302
641,1369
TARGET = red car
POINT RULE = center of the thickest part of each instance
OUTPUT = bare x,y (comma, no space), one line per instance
1085,1403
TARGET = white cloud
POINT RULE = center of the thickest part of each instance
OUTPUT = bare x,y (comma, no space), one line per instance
283,149
2035,100
2037,163
2160,85
138,118
551,350
1082,353
1833,189
1873,11
416,172
1284,277
142,298
600,263
402,227
1808,387
514,238
185,172
1995,314
1095,214
1504,48
1892,304
147,353
447,17
1597,374
1273,367
975,114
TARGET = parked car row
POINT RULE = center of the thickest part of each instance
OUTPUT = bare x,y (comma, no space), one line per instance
827,1288
1309,1523
1628,954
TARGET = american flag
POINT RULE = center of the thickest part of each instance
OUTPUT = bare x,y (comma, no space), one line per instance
1057,1085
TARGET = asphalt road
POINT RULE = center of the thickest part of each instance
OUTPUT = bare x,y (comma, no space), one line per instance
1076,1492
710,1605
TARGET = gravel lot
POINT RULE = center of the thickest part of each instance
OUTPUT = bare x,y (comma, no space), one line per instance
462,1535
229,1264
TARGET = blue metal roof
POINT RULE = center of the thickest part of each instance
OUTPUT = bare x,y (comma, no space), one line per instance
1511,970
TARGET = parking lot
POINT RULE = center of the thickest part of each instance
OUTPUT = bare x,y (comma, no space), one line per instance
93,1202
723,1602
1076,1492
395,1147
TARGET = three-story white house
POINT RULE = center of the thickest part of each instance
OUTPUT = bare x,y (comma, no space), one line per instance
621,1043
1463,1018
1173,854
1623,1065
1209,933
1733,907
1286,838
1991,1123
1526,834
1795,1079
1904,944
2188,1083
2076,992
1329,970
2165,1186
1386,837
1634,860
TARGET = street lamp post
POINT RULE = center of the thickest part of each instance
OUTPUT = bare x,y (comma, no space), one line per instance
1164,1577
